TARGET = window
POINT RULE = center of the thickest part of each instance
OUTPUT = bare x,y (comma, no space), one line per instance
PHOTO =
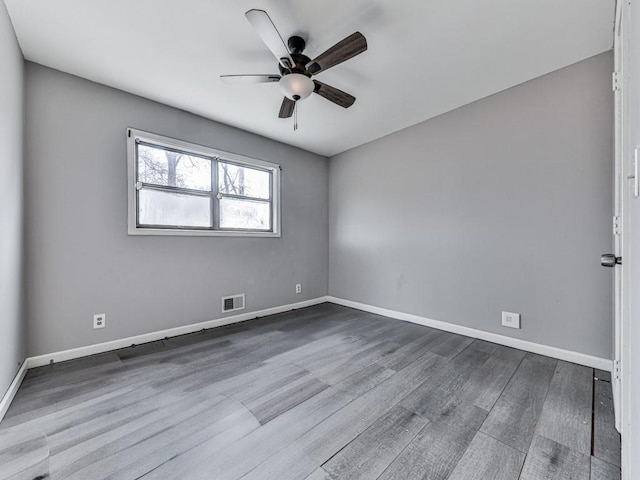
177,188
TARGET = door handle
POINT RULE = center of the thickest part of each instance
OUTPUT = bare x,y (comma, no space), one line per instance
610,260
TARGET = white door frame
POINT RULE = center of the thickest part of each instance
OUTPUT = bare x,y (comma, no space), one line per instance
620,124
627,321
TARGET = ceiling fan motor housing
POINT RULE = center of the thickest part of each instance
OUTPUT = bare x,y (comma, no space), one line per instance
299,66
296,82
296,44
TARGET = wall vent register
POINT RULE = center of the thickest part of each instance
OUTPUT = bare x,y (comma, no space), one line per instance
232,303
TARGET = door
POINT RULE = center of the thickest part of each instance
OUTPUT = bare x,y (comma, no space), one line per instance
626,378
630,334
615,260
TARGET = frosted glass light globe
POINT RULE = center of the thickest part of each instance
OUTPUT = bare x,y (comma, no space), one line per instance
296,86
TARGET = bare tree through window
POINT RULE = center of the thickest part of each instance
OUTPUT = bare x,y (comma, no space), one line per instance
232,180
178,187
166,167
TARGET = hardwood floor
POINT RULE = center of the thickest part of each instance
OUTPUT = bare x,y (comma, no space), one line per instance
321,393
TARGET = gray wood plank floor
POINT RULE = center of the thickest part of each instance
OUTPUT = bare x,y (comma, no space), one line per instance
321,393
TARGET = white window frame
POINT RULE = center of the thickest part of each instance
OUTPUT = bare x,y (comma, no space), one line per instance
134,135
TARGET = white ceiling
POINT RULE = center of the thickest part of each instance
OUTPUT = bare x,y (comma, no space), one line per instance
424,58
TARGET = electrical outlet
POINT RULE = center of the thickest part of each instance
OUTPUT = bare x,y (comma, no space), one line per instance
298,288
510,319
100,320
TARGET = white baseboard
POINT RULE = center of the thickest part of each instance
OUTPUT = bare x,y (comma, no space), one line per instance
40,360
32,362
159,335
554,352
13,389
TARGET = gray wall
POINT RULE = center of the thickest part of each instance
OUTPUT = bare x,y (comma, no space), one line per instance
12,344
504,204
80,260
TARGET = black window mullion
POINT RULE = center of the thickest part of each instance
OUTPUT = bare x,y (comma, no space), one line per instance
215,207
136,164
245,197
171,189
137,207
271,200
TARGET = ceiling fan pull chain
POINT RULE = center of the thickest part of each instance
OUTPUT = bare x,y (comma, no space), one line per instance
295,116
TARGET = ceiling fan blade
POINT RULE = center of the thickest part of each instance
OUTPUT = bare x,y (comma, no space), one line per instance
286,109
345,49
334,95
266,30
247,79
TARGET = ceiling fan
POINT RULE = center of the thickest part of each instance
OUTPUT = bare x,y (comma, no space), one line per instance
296,69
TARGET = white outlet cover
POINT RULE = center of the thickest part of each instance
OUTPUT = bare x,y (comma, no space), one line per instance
298,288
510,319
100,320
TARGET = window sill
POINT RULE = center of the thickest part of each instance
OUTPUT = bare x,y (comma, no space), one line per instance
200,233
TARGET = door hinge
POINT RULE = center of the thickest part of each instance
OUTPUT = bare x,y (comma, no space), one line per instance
616,369
615,81
616,225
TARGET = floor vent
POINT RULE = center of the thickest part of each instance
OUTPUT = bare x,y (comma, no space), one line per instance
234,302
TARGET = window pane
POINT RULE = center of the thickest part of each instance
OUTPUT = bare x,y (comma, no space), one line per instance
248,214
247,182
163,167
173,209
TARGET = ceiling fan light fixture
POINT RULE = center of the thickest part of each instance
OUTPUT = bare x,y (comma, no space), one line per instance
296,86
